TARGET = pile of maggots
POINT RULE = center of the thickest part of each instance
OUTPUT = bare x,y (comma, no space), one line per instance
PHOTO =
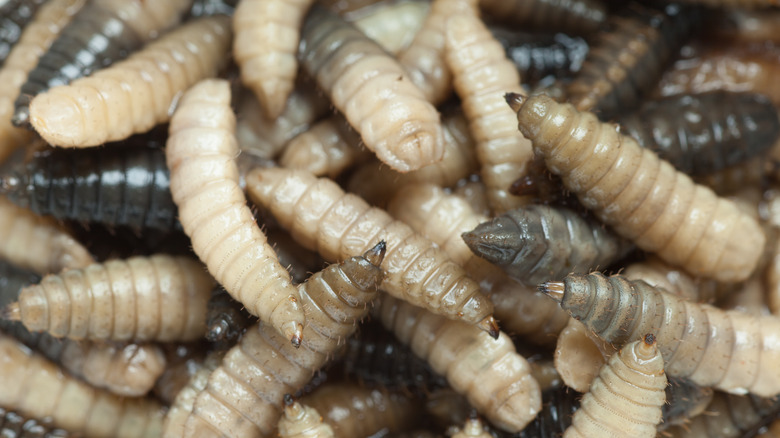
394,218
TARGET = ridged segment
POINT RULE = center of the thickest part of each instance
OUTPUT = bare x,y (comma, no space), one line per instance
569,16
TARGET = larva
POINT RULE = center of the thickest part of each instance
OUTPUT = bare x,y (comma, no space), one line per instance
159,297
445,407
133,95
495,379
301,262
397,124
570,16
181,407
393,25
13,425
37,243
14,16
226,319
684,400
697,341
537,243
474,192
240,402
504,153
751,173
643,198
265,138
579,355
558,406
377,183
37,36
201,155
117,185
268,69
424,59
627,59
540,56
706,132
36,387
328,148
301,421
354,412
473,428
544,372
319,215
103,32
376,358
626,397
526,312
729,416
674,280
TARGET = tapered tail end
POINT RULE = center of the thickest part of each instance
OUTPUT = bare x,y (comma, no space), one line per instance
515,100
553,289
376,254
294,332
11,312
490,325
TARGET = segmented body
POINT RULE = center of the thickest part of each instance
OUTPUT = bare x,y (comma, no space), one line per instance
729,416
103,32
118,185
354,412
13,425
628,59
160,297
706,132
244,395
504,153
398,124
301,421
201,154
496,380
133,95
37,243
698,342
320,216
642,197
36,387
14,16
626,397
570,16
539,56
538,243
393,25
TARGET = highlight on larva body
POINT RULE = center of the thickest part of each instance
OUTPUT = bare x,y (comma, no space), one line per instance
472,429
301,421
627,396
70,184
570,16
133,95
248,404
641,197
37,243
14,425
201,155
397,123
538,243
269,68
697,341
14,16
103,32
472,52
320,216
496,380
143,298
36,387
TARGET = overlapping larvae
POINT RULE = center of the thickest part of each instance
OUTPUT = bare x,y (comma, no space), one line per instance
136,94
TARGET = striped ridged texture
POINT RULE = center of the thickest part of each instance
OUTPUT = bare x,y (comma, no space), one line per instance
14,16
321,216
201,154
136,94
626,397
37,36
159,297
729,416
13,425
118,185
267,35
243,397
36,387
103,32
482,74
496,380
643,198
538,56
628,59
37,243
373,91
570,16
703,133
729,350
